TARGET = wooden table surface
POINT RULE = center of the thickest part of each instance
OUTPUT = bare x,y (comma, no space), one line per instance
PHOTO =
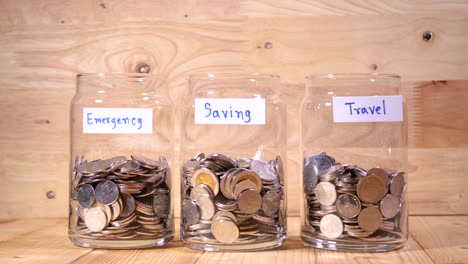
433,239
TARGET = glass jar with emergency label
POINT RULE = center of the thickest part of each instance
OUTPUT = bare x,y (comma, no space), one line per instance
354,144
121,153
233,149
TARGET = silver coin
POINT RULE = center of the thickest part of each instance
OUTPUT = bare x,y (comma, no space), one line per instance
331,226
107,192
271,203
86,196
161,204
207,207
389,206
264,170
310,176
190,212
321,162
326,193
348,206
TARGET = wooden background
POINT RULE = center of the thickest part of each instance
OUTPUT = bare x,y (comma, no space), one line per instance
44,44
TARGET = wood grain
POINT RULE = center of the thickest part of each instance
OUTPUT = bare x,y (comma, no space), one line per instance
444,239
308,45
432,240
43,44
259,8
90,12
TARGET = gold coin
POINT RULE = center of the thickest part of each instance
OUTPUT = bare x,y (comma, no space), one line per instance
205,176
397,183
96,219
371,189
244,185
249,201
379,172
370,219
225,230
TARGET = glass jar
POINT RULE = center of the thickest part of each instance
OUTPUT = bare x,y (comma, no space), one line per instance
233,148
121,153
354,142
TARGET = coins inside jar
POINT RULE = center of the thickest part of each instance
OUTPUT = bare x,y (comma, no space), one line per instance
347,202
118,198
232,201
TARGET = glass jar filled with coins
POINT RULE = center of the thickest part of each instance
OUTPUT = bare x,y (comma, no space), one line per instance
121,153
354,147
233,145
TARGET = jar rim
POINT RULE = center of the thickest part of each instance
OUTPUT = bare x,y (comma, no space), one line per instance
214,75
352,76
117,75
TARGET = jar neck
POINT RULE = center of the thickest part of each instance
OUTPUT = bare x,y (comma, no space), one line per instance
120,85
352,84
233,86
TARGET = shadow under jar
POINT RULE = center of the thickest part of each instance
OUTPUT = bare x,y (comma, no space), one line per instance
121,153
354,142
233,144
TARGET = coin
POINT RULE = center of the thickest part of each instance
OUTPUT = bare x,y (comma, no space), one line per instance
271,203
225,214
161,204
263,169
119,182
397,183
348,205
205,176
116,209
311,176
96,219
371,189
200,190
379,172
190,212
244,185
225,230
280,169
249,201
144,161
86,196
331,226
326,193
322,162
389,206
370,219
207,207
107,192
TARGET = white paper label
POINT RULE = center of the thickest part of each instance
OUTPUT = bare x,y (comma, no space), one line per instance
233,111
117,120
368,109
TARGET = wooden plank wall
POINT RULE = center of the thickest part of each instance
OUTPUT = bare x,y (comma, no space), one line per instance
44,44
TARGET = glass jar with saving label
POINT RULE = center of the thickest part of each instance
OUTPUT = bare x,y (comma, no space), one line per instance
121,153
354,147
233,147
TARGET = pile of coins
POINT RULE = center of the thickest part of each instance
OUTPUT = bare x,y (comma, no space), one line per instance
226,201
347,202
121,199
